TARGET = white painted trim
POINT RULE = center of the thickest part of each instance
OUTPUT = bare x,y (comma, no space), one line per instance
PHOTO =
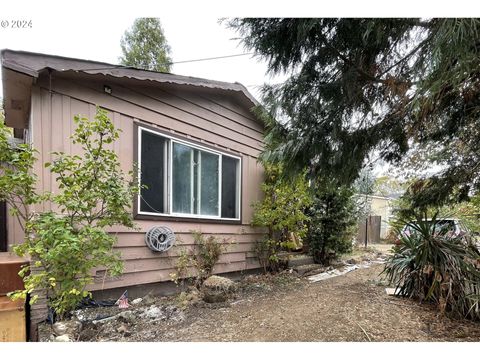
219,184
170,177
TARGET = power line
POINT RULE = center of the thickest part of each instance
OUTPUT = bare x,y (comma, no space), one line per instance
210,58
171,63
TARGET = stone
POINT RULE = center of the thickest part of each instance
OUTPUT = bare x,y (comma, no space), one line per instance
136,301
67,327
122,329
59,328
153,312
307,269
217,289
219,283
63,338
128,316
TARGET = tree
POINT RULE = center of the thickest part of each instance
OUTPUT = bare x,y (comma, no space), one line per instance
144,46
333,219
388,186
67,244
359,86
364,186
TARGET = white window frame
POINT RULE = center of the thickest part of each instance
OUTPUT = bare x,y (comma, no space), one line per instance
168,155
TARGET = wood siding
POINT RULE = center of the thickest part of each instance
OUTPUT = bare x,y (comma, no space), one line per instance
3,227
194,113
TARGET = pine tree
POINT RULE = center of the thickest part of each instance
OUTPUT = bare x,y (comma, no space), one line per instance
359,86
144,46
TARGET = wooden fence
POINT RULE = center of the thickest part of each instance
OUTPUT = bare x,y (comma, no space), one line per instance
369,230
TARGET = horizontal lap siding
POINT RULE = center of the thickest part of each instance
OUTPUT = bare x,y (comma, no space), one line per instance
189,114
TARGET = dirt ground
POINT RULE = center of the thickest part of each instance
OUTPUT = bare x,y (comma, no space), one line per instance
350,307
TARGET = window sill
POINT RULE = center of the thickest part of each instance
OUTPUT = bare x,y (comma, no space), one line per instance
186,219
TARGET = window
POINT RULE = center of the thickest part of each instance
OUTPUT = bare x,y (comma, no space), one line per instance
186,180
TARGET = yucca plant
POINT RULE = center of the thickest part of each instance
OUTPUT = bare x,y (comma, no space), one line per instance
432,265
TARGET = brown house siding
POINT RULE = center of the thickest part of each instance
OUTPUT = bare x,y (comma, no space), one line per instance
198,114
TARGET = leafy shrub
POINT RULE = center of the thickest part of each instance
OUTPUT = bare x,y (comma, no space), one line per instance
437,267
64,257
282,212
332,222
66,245
201,259
181,267
206,255
267,251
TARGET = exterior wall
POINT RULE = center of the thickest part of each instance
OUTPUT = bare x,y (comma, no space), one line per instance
198,114
14,230
381,206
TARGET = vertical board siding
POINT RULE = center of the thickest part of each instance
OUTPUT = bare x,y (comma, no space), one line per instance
14,230
52,114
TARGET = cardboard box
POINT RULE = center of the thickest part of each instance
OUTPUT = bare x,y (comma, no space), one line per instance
12,320
10,265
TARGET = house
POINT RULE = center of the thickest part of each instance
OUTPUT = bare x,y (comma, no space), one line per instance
167,122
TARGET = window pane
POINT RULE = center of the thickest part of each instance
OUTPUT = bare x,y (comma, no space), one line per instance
230,187
182,179
152,173
208,185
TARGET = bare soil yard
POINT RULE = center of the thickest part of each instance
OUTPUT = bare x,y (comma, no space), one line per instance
351,307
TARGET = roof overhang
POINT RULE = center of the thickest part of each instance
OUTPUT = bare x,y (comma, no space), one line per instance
20,69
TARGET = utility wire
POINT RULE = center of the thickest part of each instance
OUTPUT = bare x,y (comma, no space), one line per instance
210,58
171,63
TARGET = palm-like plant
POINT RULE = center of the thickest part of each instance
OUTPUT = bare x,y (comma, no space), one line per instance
434,266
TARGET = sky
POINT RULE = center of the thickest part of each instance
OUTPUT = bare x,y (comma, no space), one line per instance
190,37
92,30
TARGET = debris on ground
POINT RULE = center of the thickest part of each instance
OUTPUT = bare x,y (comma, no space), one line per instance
392,291
191,297
136,301
63,338
276,307
309,269
332,273
111,323
346,266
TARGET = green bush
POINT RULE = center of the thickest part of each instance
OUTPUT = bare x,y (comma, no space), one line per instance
201,259
66,245
332,222
282,212
207,252
434,266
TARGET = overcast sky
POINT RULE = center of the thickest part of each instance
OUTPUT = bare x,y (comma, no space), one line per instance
91,29
190,38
